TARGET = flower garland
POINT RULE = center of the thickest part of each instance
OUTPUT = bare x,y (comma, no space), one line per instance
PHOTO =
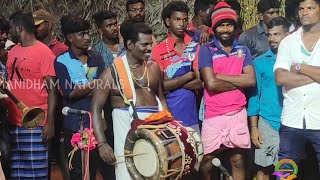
83,141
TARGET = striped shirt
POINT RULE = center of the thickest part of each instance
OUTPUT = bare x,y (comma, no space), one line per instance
181,102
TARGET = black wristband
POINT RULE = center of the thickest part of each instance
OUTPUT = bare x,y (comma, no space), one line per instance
101,144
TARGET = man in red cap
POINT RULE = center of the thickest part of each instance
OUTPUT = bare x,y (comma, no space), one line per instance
226,69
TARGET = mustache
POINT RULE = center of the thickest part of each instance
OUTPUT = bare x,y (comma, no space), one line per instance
272,42
226,33
86,42
138,16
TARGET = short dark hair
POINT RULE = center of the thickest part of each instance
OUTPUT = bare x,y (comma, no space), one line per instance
201,5
129,2
178,6
235,5
73,24
265,5
131,31
280,21
317,1
213,2
4,25
100,16
23,19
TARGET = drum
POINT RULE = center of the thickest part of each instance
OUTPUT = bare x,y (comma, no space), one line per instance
198,146
164,151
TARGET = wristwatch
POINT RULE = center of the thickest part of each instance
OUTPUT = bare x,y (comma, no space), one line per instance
298,66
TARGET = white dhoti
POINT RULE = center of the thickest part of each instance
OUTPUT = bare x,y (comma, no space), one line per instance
121,126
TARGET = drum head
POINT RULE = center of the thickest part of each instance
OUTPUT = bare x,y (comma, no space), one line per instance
147,163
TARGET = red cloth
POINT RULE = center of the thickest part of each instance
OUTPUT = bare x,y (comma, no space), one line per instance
58,47
27,67
191,27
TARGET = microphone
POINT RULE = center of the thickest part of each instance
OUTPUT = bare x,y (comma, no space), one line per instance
216,162
67,111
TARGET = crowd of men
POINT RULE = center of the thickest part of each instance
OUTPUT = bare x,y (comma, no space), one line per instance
252,95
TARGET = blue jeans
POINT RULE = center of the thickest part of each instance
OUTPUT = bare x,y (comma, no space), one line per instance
293,143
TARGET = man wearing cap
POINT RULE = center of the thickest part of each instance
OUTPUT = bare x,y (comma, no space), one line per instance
226,68
43,21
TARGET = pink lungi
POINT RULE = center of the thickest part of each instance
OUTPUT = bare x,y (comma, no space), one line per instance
230,130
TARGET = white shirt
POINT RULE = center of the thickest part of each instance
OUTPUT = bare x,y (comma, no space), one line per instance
85,66
8,44
301,102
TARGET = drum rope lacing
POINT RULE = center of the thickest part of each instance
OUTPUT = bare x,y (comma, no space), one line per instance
171,172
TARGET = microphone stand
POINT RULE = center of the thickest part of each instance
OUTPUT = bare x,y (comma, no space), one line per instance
221,176
83,153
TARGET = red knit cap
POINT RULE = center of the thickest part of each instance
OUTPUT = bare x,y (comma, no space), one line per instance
222,11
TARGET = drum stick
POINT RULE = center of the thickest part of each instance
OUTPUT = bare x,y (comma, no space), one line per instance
128,155
118,162
131,155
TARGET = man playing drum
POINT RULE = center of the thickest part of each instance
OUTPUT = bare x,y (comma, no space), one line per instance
138,77
226,68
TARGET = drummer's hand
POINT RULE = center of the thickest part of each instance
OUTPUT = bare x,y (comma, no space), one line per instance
106,154
256,137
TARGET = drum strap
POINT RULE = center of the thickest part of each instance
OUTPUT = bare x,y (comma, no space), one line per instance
125,85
